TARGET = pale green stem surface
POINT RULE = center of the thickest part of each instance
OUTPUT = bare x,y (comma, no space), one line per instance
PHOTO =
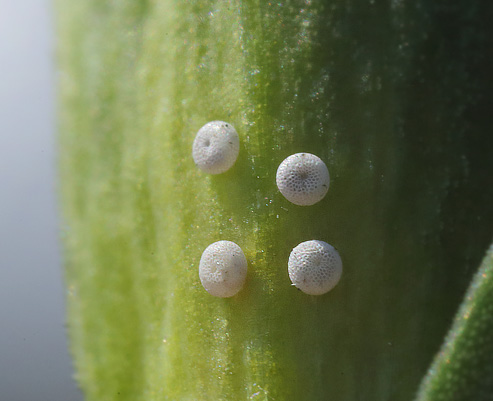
382,91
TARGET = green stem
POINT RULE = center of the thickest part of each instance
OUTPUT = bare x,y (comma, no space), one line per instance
392,95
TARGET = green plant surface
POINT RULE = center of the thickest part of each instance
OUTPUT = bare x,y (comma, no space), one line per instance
464,367
394,96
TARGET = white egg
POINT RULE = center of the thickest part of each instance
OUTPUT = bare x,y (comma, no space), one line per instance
223,269
216,147
303,179
314,267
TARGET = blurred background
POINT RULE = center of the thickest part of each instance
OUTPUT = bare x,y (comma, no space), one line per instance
34,361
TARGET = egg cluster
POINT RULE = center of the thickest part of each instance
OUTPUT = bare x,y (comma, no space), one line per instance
314,267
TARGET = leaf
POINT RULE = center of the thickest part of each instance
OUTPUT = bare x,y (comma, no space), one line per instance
463,370
395,97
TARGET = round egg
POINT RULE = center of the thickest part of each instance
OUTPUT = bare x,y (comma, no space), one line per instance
223,269
216,147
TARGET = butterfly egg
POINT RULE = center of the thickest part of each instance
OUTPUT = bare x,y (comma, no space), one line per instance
223,269
314,267
303,179
216,147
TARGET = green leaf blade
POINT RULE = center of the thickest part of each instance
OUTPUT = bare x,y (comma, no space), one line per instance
346,83
463,370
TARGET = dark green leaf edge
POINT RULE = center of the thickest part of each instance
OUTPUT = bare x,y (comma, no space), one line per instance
463,369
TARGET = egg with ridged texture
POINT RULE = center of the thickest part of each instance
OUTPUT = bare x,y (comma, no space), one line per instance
223,269
314,267
216,147
303,179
